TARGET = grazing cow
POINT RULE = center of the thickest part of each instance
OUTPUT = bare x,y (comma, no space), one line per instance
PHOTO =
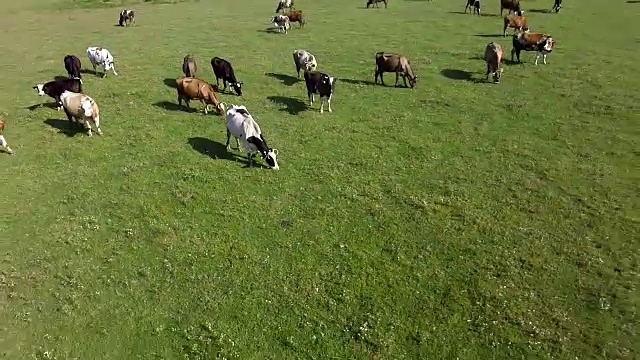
375,3
242,125
197,89
55,88
3,141
72,65
511,5
557,5
285,4
83,109
296,16
304,60
473,5
517,22
321,84
127,17
189,66
399,64
101,56
541,43
223,69
493,57
281,22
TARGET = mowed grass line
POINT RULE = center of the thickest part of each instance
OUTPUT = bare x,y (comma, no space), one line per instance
458,219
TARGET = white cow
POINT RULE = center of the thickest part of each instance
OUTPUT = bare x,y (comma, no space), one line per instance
101,56
241,125
281,22
304,60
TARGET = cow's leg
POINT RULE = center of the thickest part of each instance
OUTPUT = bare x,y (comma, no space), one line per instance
397,78
238,145
329,102
58,103
4,144
96,122
224,83
404,80
385,4
544,58
206,107
375,75
87,126
322,99
218,82
228,139
537,57
114,70
488,71
381,78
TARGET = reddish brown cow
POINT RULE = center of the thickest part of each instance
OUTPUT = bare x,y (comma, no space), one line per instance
197,89
493,57
3,142
542,44
517,22
296,16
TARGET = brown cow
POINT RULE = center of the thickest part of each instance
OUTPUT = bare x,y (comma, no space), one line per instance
399,64
541,43
493,57
197,89
3,142
517,22
296,16
189,66
511,5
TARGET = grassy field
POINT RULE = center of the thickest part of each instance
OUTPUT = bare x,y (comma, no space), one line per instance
460,219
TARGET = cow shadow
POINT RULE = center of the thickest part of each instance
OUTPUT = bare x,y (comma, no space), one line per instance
292,106
170,106
468,13
540,11
358,82
489,35
60,77
633,1
214,150
51,105
455,74
269,31
88,71
171,82
64,127
509,62
288,80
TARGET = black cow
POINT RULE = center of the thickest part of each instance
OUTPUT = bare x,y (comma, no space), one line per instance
474,6
73,66
222,69
557,5
321,84
127,17
55,88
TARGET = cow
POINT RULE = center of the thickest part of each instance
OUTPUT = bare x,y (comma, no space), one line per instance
399,64
321,84
197,89
474,6
296,16
127,17
375,3
493,57
517,22
304,60
281,22
542,44
223,69
72,65
55,88
3,141
557,5
101,56
81,108
285,4
241,124
511,5
189,67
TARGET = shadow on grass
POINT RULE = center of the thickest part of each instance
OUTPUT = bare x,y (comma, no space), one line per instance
60,77
286,79
468,13
51,105
510,62
170,106
455,74
214,149
358,82
88,71
64,127
489,35
269,31
633,1
540,11
293,106
171,82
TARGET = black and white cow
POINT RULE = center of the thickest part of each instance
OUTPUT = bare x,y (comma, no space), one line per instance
281,22
557,5
72,65
55,88
321,84
101,56
222,69
473,5
127,17
243,126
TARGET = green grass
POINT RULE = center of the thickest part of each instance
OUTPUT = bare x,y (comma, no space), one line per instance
460,219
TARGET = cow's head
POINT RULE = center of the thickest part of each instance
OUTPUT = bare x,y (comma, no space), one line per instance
40,89
237,87
270,157
496,75
108,65
310,66
87,107
221,108
548,44
412,81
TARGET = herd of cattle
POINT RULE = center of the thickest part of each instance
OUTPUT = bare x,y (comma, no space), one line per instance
83,110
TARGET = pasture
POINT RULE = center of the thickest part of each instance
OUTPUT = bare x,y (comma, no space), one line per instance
460,219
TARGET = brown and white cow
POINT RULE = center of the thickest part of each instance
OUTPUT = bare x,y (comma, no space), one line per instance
516,21
127,17
375,3
493,57
296,16
399,64
3,142
511,5
542,44
197,89
285,4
